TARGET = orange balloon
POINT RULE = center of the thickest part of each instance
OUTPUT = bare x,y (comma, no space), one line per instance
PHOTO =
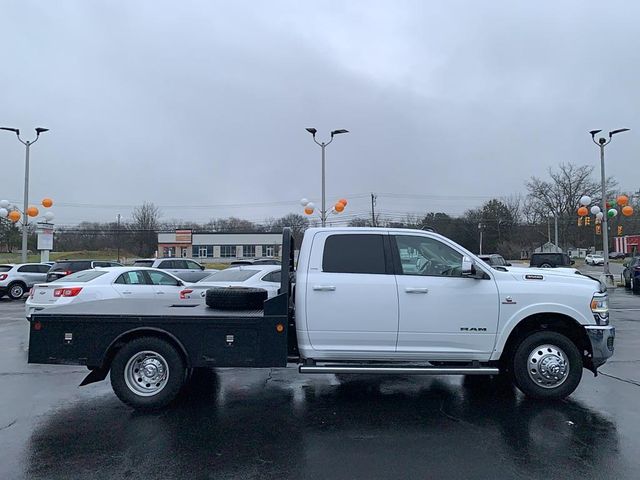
47,202
622,200
32,211
343,201
308,211
583,211
627,211
339,207
14,216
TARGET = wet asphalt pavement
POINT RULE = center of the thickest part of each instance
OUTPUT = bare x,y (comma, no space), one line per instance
269,424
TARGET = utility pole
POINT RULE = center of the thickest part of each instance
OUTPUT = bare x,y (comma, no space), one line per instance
118,238
555,219
373,211
480,227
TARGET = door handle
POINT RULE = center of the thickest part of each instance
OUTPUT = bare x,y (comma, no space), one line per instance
159,293
416,290
324,288
126,293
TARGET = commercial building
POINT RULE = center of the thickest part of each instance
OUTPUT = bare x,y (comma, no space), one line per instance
219,246
627,244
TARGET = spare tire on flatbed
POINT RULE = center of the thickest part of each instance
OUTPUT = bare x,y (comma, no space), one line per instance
236,298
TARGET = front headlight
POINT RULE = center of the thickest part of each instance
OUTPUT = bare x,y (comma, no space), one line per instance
600,309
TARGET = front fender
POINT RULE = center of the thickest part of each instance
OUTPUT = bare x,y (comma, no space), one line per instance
505,328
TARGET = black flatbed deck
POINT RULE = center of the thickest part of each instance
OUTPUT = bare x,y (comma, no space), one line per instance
90,333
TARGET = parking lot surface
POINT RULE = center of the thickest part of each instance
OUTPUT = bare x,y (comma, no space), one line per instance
275,423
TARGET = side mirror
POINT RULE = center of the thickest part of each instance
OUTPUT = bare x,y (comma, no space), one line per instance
468,268
573,262
508,264
625,264
201,267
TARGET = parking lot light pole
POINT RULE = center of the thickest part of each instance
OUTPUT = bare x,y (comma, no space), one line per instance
323,145
25,217
603,142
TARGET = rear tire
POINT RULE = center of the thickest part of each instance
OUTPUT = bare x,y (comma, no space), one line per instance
147,373
547,365
16,291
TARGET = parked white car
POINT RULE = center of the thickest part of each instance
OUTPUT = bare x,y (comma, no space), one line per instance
266,277
16,280
106,283
594,259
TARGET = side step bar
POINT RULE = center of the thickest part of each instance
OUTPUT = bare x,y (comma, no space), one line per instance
400,370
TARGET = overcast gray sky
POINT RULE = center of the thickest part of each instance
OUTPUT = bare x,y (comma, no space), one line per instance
204,103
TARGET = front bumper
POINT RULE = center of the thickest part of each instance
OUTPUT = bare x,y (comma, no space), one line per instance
602,339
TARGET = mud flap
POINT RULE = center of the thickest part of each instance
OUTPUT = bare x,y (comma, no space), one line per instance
95,375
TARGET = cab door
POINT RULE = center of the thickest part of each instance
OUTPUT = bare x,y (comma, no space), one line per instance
351,295
164,285
443,315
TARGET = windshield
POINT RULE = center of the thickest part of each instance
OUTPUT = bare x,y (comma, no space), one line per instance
231,275
71,266
81,277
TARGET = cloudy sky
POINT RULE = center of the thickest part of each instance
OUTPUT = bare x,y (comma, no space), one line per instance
200,106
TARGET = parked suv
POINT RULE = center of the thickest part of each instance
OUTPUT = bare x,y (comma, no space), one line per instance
63,268
631,274
16,280
183,268
550,260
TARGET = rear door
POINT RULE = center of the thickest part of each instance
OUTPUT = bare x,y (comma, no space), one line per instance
351,297
31,274
134,284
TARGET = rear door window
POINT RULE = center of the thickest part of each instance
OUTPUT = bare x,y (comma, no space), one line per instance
180,265
167,264
354,254
29,269
136,277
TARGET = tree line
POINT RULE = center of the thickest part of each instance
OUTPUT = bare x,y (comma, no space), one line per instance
509,226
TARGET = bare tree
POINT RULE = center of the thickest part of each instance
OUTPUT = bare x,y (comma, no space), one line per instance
145,223
560,196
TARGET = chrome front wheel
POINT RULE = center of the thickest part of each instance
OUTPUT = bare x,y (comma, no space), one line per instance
548,366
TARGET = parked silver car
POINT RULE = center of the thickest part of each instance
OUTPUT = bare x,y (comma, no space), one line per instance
183,268
16,280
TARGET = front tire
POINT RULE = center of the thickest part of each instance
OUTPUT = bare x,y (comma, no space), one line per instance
147,373
547,365
635,286
16,291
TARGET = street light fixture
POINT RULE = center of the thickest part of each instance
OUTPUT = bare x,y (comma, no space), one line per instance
323,145
25,217
601,143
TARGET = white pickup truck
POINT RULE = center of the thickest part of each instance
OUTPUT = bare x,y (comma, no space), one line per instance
367,300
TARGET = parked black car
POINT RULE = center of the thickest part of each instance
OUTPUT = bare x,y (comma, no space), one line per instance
550,260
616,255
631,274
63,268
257,261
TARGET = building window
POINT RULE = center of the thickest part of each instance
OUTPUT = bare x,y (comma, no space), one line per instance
169,252
268,250
227,251
202,252
248,251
